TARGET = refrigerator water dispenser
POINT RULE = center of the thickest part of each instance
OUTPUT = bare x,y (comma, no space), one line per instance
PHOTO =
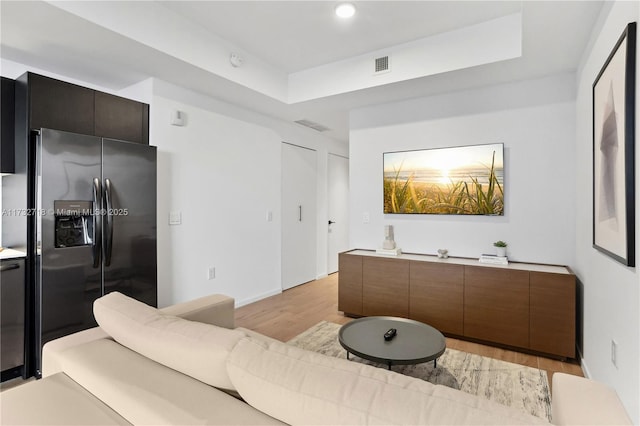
73,223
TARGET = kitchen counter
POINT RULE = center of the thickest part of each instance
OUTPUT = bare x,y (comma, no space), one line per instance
11,254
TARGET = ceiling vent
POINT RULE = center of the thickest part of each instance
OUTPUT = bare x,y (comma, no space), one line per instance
382,65
313,125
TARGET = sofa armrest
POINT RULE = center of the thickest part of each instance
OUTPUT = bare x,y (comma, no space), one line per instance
579,401
51,350
215,309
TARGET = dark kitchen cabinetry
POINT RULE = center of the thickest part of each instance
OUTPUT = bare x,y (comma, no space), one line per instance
121,118
7,117
12,298
45,102
55,104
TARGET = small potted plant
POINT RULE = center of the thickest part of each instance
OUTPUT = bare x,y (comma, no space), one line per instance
501,248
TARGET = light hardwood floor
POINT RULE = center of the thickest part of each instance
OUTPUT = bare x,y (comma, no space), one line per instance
288,314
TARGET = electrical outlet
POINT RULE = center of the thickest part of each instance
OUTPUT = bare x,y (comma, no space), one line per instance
211,272
365,217
614,353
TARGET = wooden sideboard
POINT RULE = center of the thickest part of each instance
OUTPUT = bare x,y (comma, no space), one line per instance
519,305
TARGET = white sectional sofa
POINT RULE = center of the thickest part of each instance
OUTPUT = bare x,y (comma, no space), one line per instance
187,365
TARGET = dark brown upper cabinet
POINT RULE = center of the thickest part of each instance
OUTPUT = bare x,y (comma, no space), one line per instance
121,118
7,126
55,104
59,105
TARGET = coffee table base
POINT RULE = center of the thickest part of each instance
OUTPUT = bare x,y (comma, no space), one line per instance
389,363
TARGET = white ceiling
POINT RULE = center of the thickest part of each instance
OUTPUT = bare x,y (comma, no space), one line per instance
285,37
296,35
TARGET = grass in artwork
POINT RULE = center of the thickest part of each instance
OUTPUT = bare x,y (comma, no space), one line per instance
472,191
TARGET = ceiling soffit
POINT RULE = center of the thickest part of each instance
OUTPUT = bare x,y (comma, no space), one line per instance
492,41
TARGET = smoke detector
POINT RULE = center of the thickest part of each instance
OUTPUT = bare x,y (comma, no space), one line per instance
236,60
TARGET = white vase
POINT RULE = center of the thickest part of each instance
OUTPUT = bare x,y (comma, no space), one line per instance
501,251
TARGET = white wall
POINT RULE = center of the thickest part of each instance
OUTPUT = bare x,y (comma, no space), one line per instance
536,122
610,291
222,170
223,176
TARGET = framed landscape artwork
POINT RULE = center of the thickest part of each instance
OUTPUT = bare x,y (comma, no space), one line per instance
464,180
613,152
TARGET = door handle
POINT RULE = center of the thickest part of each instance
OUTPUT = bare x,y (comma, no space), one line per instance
331,222
300,213
108,226
9,267
97,225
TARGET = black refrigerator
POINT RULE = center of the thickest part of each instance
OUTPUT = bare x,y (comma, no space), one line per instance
94,229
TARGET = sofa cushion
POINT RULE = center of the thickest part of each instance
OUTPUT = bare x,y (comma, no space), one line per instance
147,393
195,349
302,387
55,400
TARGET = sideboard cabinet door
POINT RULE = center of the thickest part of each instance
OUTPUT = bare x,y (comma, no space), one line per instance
350,284
385,287
553,313
496,305
436,294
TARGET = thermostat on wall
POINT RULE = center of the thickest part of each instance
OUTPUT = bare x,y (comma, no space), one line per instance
177,118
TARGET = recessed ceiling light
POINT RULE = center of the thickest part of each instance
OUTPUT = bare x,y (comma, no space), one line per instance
345,10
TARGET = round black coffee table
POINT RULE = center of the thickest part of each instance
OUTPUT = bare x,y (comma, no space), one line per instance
414,342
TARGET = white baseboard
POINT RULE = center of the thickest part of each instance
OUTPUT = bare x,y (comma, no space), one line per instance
243,302
321,276
583,365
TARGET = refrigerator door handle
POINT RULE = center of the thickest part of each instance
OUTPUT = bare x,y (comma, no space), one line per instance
97,228
108,227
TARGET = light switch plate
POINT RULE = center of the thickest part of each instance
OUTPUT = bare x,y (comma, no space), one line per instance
175,218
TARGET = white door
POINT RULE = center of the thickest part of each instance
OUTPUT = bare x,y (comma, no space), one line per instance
299,216
338,195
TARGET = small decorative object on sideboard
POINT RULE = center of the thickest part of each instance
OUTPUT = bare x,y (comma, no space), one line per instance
501,248
443,253
493,259
389,245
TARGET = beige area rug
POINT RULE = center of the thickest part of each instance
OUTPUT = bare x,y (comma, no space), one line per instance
517,386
